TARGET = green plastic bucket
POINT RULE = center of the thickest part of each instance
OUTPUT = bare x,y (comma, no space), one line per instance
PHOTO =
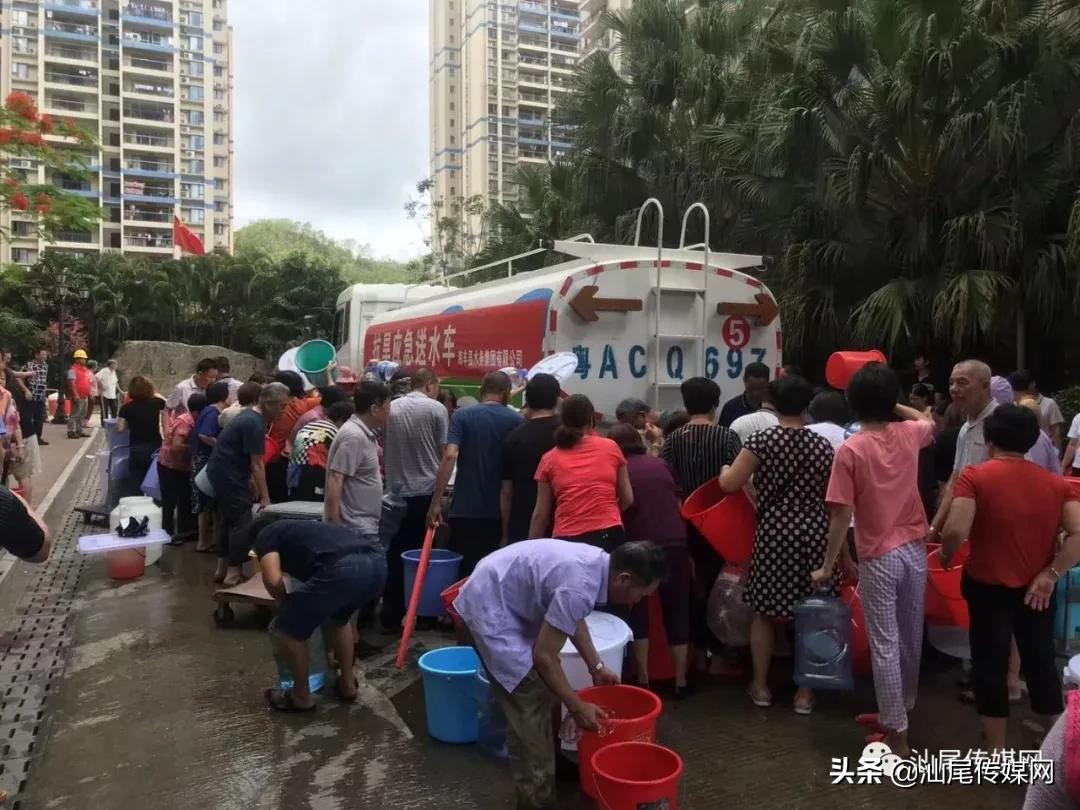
314,359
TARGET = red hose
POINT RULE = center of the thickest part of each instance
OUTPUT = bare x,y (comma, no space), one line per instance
414,598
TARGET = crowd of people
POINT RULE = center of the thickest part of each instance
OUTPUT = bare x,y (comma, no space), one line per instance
845,485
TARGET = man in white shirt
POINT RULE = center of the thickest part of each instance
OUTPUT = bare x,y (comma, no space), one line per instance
764,417
1050,418
206,373
969,388
109,390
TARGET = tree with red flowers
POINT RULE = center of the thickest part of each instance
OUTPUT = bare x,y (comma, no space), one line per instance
63,148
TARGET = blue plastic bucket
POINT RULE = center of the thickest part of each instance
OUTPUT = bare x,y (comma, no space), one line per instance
450,693
443,567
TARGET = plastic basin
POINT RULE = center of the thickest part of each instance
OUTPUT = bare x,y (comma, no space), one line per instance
727,522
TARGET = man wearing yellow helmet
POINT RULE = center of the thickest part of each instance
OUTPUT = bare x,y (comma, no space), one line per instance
79,387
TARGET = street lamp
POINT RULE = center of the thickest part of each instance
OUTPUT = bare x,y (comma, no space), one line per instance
64,288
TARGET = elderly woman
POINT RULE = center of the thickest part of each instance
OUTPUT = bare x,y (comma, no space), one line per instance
790,468
142,418
1010,511
655,517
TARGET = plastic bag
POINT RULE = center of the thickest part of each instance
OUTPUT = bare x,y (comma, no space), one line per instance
727,615
151,484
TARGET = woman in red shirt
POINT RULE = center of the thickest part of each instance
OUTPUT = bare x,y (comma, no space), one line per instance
1010,510
584,480
656,517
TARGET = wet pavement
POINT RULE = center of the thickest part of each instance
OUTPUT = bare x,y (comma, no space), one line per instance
127,695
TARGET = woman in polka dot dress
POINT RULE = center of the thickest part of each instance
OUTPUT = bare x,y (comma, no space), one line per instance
790,468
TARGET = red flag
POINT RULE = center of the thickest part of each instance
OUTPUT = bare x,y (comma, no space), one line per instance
185,238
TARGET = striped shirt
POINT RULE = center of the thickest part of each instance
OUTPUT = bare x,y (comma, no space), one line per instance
697,453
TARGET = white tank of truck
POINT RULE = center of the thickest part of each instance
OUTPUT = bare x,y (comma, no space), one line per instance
641,321
360,303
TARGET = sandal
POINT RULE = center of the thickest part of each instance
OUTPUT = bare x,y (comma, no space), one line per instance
871,721
804,707
233,581
282,701
342,696
762,700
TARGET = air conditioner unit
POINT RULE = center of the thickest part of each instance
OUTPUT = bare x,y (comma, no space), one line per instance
184,80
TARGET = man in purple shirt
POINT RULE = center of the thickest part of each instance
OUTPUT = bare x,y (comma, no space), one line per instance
520,604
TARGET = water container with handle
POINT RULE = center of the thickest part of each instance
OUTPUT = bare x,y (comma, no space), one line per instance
823,643
841,366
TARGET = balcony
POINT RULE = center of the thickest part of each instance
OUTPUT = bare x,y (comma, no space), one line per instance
151,42
526,7
149,89
139,139
145,14
534,98
72,31
67,105
76,237
54,51
537,61
156,115
155,193
532,28
149,240
134,213
82,79
149,168
156,65
87,8
568,31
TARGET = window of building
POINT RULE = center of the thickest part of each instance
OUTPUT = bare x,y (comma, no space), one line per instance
21,70
194,166
220,229
193,67
219,184
195,142
193,43
452,88
219,49
452,140
194,216
451,106
453,191
493,109
220,206
194,92
22,18
195,19
193,191
219,72
451,39
451,122
219,25
219,139
219,117
23,255
24,45
193,117
219,94
219,162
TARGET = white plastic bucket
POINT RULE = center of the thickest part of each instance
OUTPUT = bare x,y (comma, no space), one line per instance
610,635
1071,675
138,507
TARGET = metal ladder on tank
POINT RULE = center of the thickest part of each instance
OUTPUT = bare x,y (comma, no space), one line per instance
696,290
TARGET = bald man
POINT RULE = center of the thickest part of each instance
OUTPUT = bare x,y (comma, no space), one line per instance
969,387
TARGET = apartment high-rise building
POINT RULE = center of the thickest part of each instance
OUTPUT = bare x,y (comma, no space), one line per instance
498,70
153,81
595,34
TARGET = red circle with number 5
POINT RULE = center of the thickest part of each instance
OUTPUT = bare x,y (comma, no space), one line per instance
736,332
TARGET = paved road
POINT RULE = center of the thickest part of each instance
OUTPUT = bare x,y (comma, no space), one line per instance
129,696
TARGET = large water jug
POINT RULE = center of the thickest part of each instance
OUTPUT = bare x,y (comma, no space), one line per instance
492,721
139,507
823,643
317,669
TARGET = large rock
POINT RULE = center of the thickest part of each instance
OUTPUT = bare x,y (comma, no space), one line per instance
167,363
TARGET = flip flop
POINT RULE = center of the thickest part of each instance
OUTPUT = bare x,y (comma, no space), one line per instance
342,696
762,701
871,721
282,701
803,707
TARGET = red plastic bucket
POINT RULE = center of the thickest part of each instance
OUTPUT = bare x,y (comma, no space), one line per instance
661,664
1073,482
633,775
944,603
860,642
632,718
727,522
126,563
448,597
842,366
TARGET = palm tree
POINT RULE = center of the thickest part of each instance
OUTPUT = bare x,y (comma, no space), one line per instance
914,166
